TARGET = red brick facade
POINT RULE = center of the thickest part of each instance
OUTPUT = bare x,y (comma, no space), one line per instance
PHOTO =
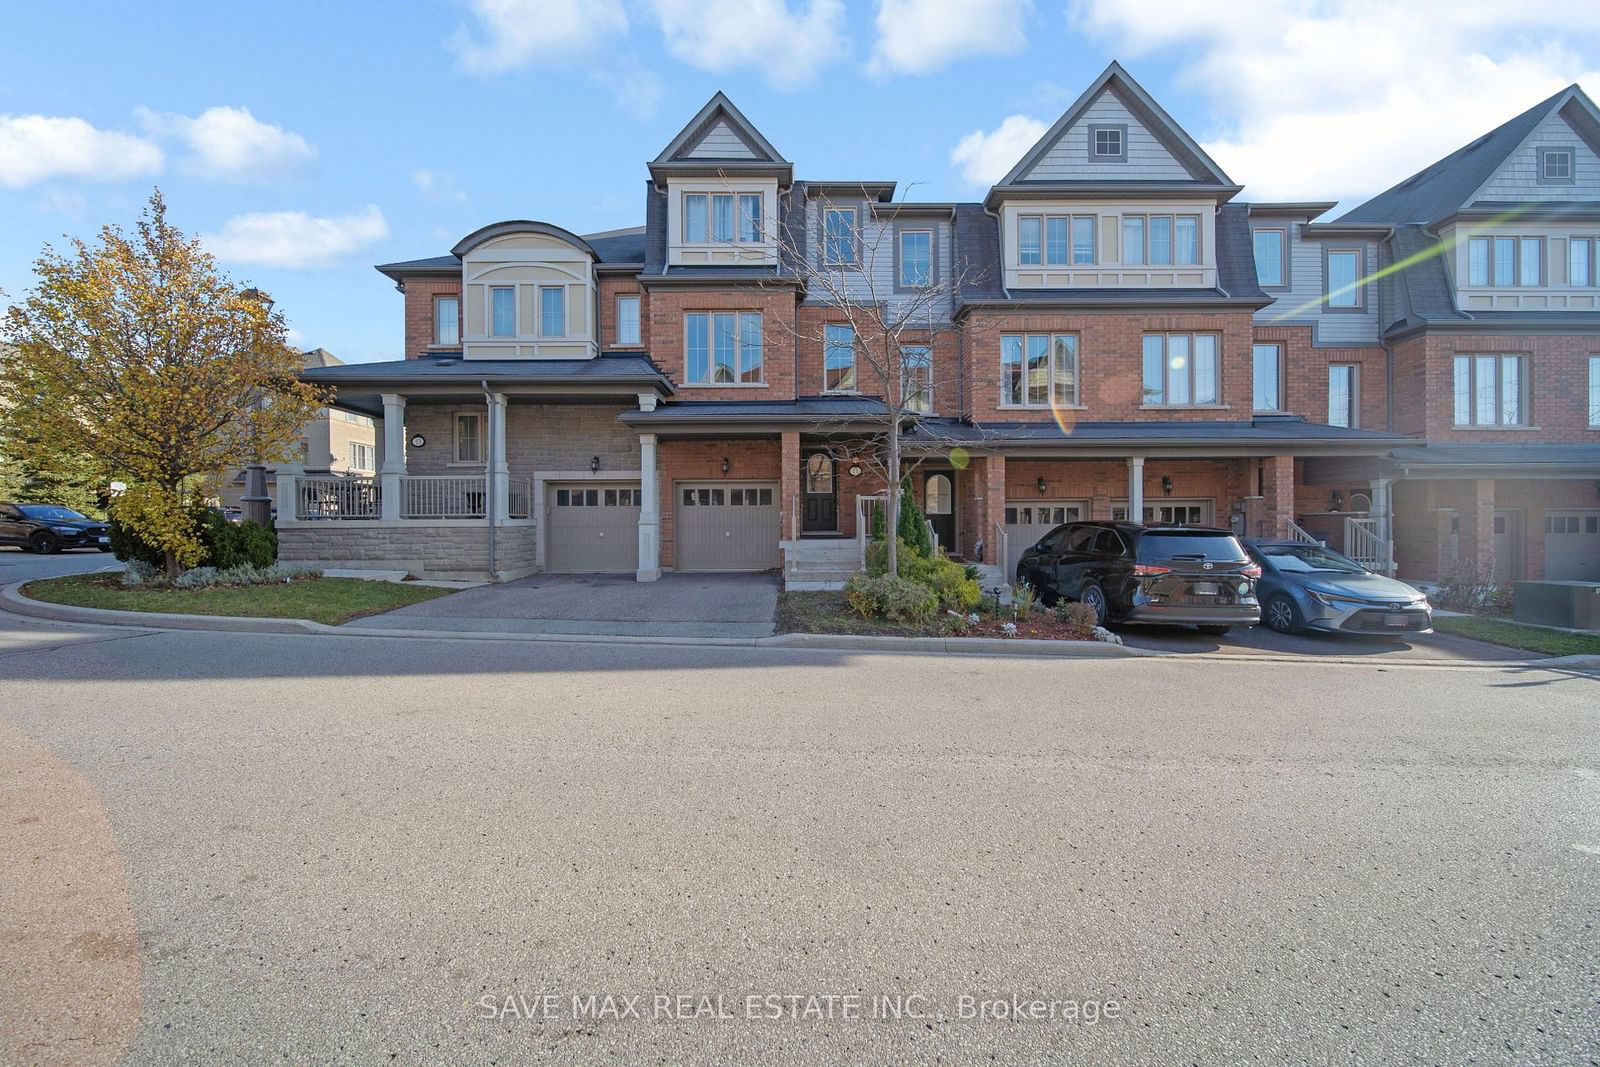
700,460
665,308
1305,376
1556,389
419,294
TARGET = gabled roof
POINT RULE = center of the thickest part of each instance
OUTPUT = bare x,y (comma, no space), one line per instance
1203,170
1448,186
757,155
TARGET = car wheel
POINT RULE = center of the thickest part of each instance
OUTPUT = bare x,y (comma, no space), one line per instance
1092,595
44,543
1214,630
1281,615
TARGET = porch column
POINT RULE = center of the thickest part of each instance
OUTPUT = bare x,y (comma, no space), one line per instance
994,510
1383,517
1135,488
1477,528
789,486
649,511
287,495
1277,475
394,456
498,469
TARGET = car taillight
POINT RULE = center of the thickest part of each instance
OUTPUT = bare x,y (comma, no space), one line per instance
1251,571
1147,570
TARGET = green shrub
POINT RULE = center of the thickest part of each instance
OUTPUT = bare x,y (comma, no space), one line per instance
224,545
911,527
907,601
1022,598
129,547
988,604
1079,618
866,593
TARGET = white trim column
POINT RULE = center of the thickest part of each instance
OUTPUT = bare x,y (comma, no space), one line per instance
1135,488
1383,512
499,469
391,473
649,511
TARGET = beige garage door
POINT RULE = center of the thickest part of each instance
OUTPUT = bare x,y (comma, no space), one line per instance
1572,545
724,527
592,527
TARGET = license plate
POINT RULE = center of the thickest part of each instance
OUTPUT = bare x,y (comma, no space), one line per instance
1206,588
104,540
1397,620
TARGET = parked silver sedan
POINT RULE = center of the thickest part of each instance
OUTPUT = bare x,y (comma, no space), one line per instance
1309,587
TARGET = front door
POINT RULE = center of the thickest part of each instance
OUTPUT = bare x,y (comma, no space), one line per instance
819,493
939,505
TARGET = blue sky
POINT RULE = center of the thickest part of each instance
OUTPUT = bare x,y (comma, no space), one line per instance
310,141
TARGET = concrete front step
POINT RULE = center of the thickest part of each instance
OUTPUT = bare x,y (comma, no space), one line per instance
813,586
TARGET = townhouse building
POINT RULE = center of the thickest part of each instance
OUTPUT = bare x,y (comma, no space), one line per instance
1113,330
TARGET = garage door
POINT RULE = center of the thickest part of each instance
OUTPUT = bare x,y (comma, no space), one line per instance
1029,520
1572,545
724,527
592,527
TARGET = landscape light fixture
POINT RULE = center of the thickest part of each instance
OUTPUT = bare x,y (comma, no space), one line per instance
1335,500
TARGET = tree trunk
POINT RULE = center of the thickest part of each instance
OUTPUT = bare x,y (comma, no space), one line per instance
172,564
892,519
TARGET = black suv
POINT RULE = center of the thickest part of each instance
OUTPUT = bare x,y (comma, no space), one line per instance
1147,574
48,528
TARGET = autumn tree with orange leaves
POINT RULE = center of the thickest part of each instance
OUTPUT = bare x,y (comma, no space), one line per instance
138,352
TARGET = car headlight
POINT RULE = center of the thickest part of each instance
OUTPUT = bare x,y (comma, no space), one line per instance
65,529
1332,599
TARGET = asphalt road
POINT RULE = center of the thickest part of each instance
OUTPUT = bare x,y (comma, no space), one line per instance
19,566
249,849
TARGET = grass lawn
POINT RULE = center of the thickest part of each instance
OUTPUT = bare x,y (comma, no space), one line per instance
326,600
1516,635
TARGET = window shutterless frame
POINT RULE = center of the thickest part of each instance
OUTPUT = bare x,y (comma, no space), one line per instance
841,240
627,328
1505,260
1266,377
1108,143
1039,370
469,431
1342,273
914,258
1583,261
1594,390
1556,165
1161,240
723,348
1344,394
1272,257
1182,370
839,359
916,377
1489,390
502,311
447,320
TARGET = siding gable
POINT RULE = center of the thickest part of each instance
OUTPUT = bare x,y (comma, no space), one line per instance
1517,179
719,142
1068,159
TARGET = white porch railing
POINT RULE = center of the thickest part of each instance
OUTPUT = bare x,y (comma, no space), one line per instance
443,496
1363,543
337,498
933,537
1300,533
517,499
1002,545
866,509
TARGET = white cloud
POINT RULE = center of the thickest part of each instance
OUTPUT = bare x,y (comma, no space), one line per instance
296,239
230,143
788,47
35,147
1343,99
918,36
984,158
438,185
637,91
515,33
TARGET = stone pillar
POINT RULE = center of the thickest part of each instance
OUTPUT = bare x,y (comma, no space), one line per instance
789,486
649,511
1383,517
1277,476
1477,528
287,483
257,505
1135,488
994,509
394,456
499,470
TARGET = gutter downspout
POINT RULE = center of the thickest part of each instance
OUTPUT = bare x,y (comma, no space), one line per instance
488,482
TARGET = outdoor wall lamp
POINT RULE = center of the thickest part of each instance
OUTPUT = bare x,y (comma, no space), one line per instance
1166,484
1335,500
855,471
1040,484
594,465
726,466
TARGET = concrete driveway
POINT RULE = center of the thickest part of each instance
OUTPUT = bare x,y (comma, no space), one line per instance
678,605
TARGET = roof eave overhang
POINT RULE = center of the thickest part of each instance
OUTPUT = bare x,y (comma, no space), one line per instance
1566,212
618,268
660,173
399,275
511,385
1215,303
660,421
1220,448
1458,471
1350,231
1563,327
787,281
895,211
1307,209
1121,190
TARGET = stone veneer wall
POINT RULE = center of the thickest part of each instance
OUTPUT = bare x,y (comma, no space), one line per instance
453,552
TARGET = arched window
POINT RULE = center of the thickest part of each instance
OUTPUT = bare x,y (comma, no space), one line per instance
937,495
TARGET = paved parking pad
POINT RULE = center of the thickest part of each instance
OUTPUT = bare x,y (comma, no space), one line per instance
678,605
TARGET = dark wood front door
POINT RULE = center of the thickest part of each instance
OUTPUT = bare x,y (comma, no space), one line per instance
939,505
819,495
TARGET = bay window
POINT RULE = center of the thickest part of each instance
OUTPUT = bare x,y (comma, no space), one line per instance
694,218
1181,370
726,217
1038,370
1582,269
1490,390
750,230
723,348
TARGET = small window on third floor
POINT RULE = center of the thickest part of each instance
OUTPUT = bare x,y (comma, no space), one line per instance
1272,260
552,311
839,236
916,259
503,311
1555,166
447,320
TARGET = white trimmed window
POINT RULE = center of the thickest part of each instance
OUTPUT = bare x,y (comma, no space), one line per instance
1266,374
1491,390
1344,278
916,259
1272,257
1505,261
469,437
552,311
1594,390
363,456
447,320
1181,370
1161,240
1344,394
839,236
1038,370
1056,240
1583,261
723,347
838,359
503,311
916,377
627,320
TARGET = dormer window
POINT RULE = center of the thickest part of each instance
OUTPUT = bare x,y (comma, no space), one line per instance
1051,239
1555,166
1108,144
727,217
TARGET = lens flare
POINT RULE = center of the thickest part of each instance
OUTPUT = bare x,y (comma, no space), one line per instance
959,458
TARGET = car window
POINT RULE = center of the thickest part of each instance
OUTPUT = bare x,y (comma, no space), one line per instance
9,512
47,513
1081,539
1200,544
1304,559
1109,543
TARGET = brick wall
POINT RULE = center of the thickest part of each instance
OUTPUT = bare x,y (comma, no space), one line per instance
749,459
1110,355
419,294
539,437
1305,375
1558,399
1102,481
667,307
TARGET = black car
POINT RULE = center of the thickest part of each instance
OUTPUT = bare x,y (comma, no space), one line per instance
48,528
1147,574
